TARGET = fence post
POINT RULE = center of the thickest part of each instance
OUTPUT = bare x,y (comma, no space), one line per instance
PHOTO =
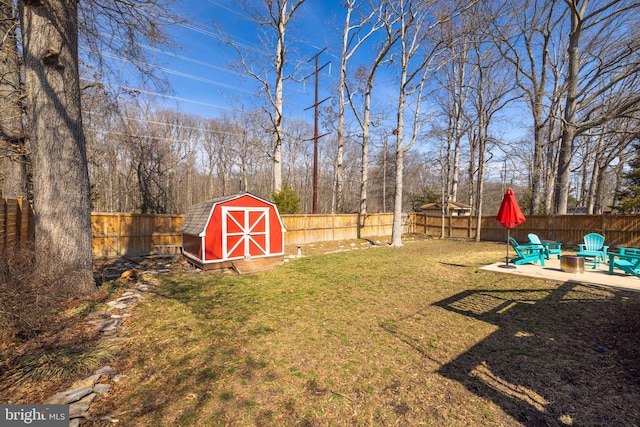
333,226
118,249
5,225
19,238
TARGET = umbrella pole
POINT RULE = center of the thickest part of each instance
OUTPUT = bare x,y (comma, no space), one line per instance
506,264
508,236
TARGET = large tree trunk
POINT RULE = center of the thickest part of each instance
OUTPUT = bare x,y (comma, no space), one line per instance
569,127
364,164
396,228
538,158
13,152
61,180
279,101
336,206
458,80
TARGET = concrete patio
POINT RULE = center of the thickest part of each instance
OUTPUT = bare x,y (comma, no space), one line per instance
552,271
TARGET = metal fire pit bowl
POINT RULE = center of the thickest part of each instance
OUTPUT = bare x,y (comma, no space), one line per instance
572,264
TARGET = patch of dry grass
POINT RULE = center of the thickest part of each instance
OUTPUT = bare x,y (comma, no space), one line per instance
388,336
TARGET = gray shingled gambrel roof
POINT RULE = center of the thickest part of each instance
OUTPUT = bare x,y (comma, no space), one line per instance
198,215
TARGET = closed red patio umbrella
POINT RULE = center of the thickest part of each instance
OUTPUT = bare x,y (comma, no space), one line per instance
509,215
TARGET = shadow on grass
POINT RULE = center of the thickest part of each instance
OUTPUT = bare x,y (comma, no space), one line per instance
566,355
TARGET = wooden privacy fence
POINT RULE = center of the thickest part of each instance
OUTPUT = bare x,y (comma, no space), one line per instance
618,230
16,223
120,234
319,228
114,235
123,234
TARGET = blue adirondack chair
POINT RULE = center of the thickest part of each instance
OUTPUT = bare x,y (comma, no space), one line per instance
550,248
628,261
526,253
593,248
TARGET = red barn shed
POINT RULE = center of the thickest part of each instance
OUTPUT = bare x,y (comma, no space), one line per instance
233,232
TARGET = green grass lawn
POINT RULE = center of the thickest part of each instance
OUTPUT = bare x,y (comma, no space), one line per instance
387,336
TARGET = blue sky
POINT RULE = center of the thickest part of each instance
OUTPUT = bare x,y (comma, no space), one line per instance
203,83
199,70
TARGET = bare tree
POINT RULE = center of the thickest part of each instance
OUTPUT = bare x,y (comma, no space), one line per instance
251,146
218,144
162,149
457,98
272,18
414,55
597,154
365,80
298,152
61,180
103,132
454,80
609,60
525,41
115,31
490,87
107,29
354,35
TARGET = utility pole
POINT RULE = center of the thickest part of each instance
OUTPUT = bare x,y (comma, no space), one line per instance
315,130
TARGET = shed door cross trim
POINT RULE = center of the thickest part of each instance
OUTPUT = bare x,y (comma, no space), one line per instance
245,232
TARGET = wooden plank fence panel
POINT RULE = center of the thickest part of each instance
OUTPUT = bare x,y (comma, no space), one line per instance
462,227
538,225
570,229
307,228
133,246
623,230
303,229
121,234
103,245
4,223
16,223
419,223
11,215
374,225
106,235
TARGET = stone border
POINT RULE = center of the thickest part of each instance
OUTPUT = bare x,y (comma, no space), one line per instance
111,324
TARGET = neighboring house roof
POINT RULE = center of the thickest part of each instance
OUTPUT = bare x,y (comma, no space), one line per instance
438,205
583,210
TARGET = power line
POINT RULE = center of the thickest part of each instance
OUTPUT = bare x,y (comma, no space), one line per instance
185,58
160,138
221,6
237,40
178,73
177,98
154,122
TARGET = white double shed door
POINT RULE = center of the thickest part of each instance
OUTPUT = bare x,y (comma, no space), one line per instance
245,232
